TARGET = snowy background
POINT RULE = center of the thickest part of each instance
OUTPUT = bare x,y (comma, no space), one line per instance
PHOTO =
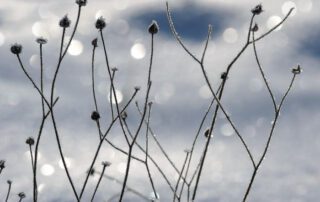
290,172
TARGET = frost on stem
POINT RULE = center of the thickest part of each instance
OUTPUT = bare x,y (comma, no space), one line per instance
16,49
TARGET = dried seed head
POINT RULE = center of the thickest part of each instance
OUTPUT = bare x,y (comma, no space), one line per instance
153,27
9,181
92,172
296,70
41,40
207,133
95,42
100,23
114,69
187,151
150,103
106,163
22,195
2,164
257,10
16,49
81,2
65,22
30,141
255,28
124,115
137,88
224,75
95,116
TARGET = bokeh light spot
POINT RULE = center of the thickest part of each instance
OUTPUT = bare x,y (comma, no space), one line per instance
47,170
138,51
226,129
273,21
122,167
68,163
2,39
75,48
34,61
230,35
119,96
205,92
39,30
286,6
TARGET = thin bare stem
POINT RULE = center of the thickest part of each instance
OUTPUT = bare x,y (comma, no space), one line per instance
9,189
147,154
277,113
101,175
206,43
141,121
31,156
263,74
179,178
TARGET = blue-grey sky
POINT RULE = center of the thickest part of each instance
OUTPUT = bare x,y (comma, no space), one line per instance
290,172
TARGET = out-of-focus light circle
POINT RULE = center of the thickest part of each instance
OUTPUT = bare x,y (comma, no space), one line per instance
152,197
122,167
205,92
40,187
13,99
230,35
304,5
138,51
286,6
102,13
2,39
68,163
121,27
47,170
255,85
75,48
120,5
119,97
226,129
250,131
273,21
164,93
27,155
34,61
39,30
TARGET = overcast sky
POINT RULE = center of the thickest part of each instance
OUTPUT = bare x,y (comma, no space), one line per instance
290,172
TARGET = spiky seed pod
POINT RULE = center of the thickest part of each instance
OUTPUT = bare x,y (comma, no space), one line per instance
65,22
153,27
257,10
100,23
81,2
95,116
94,42
30,141
296,70
41,40
16,49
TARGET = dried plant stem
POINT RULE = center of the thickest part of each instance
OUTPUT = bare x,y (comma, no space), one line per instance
147,154
8,193
141,122
179,178
277,113
101,175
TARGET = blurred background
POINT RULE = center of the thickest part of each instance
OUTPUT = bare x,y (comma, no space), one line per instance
290,172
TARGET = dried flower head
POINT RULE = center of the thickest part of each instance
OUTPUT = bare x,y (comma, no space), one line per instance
65,22
257,10
22,195
224,75
296,70
95,42
92,172
207,133
100,23
150,103
255,28
2,164
106,163
41,40
187,151
30,141
95,116
114,69
137,88
153,27
16,48
9,181
81,2
124,115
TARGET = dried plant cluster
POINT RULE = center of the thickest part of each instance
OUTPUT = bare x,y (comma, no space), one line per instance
186,186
